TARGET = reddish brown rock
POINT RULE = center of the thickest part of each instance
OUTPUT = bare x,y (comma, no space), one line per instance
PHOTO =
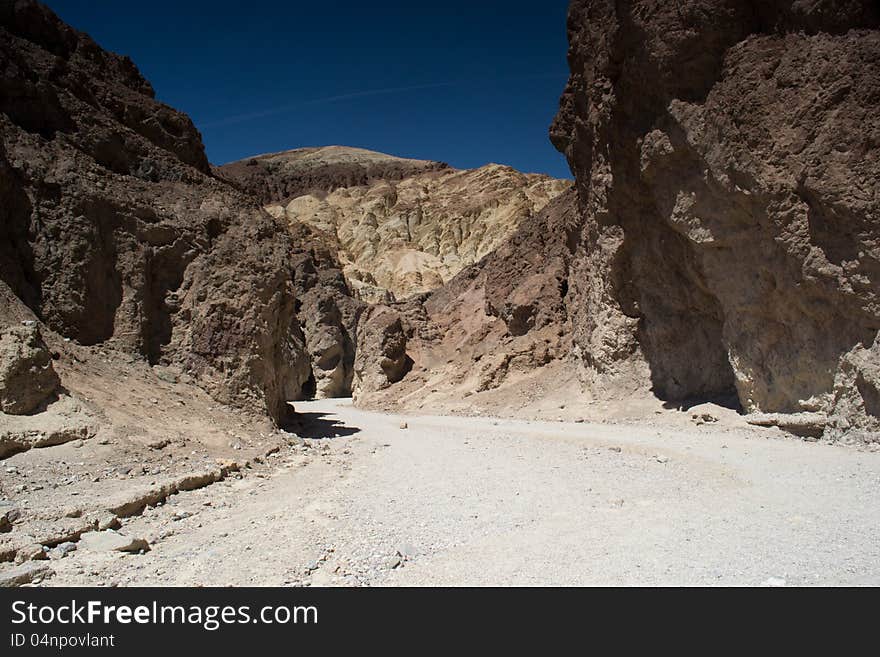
500,319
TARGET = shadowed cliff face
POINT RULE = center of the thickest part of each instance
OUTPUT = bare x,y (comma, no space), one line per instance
726,156
327,312
112,229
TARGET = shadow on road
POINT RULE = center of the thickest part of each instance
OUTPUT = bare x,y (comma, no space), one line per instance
317,425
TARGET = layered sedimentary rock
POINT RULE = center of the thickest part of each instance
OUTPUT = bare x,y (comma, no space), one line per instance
727,159
279,177
113,229
501,319
374,228
397,238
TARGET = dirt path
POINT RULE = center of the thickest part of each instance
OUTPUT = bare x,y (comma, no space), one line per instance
480,501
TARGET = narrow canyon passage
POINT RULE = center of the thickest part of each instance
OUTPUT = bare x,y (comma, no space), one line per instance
574,293
482,501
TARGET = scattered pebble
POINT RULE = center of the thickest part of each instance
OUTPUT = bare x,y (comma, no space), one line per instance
390,563
773,582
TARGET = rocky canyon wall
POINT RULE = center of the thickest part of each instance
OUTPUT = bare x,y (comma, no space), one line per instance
727,164
112,228
721,241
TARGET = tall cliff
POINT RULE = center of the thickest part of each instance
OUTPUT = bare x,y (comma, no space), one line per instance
727,164
112,228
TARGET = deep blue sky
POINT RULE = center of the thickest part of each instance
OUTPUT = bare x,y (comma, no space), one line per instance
466,82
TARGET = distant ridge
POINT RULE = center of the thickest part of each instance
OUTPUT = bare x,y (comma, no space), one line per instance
279,177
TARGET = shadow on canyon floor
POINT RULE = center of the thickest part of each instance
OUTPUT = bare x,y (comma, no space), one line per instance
727,401
318,425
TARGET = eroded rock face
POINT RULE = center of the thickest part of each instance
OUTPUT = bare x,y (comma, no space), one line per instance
27,378
497,321
375,228
381,358
398,238
855,404
328,314
727,158
112,228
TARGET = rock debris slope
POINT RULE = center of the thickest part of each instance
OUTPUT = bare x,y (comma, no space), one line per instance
727,159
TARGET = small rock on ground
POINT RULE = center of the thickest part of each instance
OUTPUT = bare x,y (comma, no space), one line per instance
109,541
773,581
25,574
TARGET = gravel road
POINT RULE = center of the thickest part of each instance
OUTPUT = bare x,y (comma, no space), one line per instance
482,501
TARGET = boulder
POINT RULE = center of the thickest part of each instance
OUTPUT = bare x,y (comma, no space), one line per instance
9,513
33,552
24,574
27,377
112,541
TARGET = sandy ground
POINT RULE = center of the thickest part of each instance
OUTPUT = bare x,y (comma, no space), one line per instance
483,501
